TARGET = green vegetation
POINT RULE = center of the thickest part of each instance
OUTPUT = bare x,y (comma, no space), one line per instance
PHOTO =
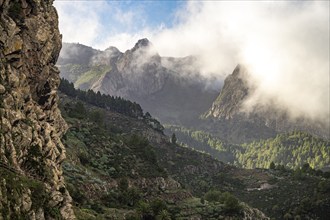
108,164
96,147
35,163
15,186
75,70
103,154
92,75
291,150
116,104
173,139
15,10
203,142
230,202
111,155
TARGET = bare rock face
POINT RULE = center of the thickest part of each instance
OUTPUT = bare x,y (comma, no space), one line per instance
229,106
30,121
171,89
233,93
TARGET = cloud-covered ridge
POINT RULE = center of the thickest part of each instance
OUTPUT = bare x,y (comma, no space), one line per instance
284,46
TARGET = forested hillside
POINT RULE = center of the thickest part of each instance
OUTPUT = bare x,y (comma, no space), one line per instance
122,165
116,104
116,166
291,150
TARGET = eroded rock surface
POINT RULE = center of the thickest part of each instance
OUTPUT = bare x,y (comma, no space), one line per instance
31,124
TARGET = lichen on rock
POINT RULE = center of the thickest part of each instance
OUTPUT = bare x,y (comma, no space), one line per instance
30,122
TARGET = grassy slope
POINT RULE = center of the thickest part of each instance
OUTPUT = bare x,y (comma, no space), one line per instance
87,79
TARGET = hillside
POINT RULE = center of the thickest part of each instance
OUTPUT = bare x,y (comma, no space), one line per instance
291,150
169,88
116,166
257,143
121,164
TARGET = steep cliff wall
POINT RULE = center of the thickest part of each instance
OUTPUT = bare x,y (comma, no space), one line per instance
31,152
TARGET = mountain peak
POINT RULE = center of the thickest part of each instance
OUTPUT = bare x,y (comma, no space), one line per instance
232,95
112,49
142,43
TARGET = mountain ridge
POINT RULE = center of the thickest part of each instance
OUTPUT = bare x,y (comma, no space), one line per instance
230,106
141,75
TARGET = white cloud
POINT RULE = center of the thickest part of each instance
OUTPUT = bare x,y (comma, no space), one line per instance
285,46
100,24
125,18
79,21
122,41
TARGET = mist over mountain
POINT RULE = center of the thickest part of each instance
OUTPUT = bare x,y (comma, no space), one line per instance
232,104
284,45
82,147
175,91
171,89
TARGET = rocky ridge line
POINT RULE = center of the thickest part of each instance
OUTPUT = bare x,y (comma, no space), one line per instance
229,106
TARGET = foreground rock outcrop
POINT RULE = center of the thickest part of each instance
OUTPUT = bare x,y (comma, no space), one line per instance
31,181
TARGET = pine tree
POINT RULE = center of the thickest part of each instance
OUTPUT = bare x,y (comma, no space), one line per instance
272,165
173,139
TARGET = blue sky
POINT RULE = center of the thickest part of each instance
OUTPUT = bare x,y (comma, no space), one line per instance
155,12
114,18
139,14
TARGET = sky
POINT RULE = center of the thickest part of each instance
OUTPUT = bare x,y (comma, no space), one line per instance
283,44
114,23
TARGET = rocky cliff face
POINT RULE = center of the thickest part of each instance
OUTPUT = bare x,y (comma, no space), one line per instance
171,89
136,74
232,95
31,152
229,107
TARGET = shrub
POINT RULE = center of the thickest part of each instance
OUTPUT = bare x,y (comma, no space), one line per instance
272,166
83,158
163,215
213,196
97,207
144,210
123,184
158,206
287,216
76,194
15,10
202,200
129,197
231,203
